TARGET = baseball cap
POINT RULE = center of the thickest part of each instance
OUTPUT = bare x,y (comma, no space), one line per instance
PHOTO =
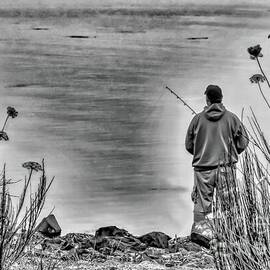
214,93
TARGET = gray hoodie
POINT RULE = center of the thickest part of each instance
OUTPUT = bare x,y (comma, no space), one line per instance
212,135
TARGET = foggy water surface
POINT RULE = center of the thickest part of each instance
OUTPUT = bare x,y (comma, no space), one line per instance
97,111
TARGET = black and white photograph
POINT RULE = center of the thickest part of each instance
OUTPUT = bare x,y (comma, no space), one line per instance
134,134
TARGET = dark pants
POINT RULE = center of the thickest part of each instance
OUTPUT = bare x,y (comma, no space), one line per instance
205,182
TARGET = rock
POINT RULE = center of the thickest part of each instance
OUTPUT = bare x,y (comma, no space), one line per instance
49,227
55,241
155,239
87,244
154,252
51,244
83,251
111,231
117,239
66,246
177,242
180,243
78,240
121,243
77,237
192,247
169,264
93,254
119,246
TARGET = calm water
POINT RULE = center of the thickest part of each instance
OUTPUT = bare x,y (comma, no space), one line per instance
97,111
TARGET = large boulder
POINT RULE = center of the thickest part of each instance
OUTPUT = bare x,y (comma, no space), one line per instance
79,240
111,231
119,243
49,227
155,239
113,238
77,237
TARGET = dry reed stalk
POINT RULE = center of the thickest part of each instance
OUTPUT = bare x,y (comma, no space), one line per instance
17,223
242,211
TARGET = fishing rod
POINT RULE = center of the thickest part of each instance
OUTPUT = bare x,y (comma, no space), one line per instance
193,112
172,92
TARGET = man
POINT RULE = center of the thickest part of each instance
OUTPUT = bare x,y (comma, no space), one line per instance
215,138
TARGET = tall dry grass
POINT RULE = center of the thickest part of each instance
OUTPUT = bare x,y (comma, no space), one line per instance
241,210
18,221
241,207
242,216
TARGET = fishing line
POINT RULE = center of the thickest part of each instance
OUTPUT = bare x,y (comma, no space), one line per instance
136,128
154,105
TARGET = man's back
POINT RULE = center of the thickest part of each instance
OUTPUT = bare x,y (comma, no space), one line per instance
214,136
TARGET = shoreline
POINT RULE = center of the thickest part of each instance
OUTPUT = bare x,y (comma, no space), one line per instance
112,248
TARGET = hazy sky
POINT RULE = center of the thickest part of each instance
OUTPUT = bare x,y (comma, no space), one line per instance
98,3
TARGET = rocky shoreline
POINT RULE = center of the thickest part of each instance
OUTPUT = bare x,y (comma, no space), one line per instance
112,248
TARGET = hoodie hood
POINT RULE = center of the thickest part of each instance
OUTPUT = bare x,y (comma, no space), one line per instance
214,112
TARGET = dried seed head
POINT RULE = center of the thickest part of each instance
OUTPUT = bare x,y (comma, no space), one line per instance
256,78
12,112
3,136
31,165
255,51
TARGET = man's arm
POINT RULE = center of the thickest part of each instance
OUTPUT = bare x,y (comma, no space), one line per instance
189,143
241,139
